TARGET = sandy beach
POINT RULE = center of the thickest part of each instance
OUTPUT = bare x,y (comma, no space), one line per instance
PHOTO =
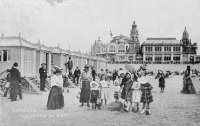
168,109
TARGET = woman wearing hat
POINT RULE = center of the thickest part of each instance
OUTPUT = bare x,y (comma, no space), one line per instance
56,99
85,88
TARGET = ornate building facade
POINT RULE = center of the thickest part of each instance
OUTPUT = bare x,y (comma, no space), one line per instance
169,50
153,50
121,48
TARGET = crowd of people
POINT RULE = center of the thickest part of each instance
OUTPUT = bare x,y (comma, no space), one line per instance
129,85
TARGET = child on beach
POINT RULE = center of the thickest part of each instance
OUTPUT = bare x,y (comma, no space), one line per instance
146,97
104,89
117,89
94,94
136,94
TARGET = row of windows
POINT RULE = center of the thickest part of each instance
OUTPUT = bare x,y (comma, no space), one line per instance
167,58
112,49
167,49
159,49
5,55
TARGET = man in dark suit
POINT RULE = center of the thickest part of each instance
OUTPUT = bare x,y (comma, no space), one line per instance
77,74
70,66
93,73
15,81
43,76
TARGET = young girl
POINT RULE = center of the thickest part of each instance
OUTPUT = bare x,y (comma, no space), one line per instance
94,94
136,94
104,89
117,89
146,97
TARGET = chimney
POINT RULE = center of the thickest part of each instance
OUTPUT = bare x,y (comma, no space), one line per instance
2,35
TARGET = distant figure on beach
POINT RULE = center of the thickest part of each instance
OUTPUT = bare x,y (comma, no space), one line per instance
56,98
162,83
187,82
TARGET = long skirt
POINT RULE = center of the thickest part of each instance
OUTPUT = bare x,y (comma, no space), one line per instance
14,91
55,99
85,92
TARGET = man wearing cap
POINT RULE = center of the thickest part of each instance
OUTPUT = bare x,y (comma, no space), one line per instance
43,76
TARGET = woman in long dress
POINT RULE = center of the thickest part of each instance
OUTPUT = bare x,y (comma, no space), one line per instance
85,88
56,98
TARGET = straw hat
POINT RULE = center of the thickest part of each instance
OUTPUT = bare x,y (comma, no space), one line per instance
94,84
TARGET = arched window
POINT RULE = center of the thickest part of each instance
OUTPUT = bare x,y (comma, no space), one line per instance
112,48
121,48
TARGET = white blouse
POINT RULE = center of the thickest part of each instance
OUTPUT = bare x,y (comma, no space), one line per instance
57,80
104,84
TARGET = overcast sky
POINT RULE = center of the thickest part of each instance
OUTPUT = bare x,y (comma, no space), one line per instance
79,23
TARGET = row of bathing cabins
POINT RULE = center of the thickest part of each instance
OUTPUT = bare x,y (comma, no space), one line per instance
29,56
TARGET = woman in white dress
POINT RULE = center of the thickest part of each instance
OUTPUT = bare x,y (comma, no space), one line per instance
56,98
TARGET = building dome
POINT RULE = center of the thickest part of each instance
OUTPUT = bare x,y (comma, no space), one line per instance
120,39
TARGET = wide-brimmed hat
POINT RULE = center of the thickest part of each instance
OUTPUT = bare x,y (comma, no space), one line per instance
94,83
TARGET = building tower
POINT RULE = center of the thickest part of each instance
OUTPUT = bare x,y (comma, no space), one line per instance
134,39
185,38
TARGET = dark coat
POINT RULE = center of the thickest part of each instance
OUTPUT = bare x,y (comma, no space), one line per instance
77,73
70,64
43,73
128,90
93,73
146,93
161,81
123,84
15,78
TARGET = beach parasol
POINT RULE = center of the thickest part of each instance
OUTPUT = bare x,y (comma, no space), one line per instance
130,68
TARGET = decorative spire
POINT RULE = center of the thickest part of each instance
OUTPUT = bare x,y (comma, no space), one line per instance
133,22
58,45
185,33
